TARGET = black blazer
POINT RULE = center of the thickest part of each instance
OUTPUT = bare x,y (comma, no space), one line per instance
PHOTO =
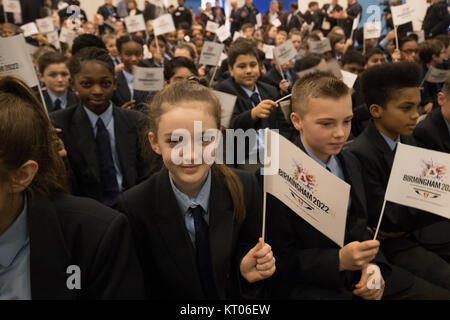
165,249
122,93
296,21
432,132
103,10
241,117
72,100
372,150
67,230
273,77
307,260
79,140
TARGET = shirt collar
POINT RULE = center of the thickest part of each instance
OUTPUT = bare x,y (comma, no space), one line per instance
128,76
106,116
63,98
14,238
202,198
391,143
249,92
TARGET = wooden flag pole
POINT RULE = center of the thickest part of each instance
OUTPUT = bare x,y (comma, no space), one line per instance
379,221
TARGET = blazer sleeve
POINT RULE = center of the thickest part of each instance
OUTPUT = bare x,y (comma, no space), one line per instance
115,271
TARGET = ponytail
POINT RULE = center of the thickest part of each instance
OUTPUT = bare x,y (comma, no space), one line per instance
235,188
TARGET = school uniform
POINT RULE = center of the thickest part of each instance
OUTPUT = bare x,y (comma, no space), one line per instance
376,152
241,117
79,134
433,132
274,77
166,249
52,234
68,100
307,260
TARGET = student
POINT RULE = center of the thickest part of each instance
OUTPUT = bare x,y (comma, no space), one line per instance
353,61
373,57
102,140
255,107
159,57
195,224
431,54
178,69
110,41
243,65
47,235
408,49
434,131
392,94
310,265
54,73
131,53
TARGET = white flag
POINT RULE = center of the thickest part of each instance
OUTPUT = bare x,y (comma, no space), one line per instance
268,50
222,33
163,24
12,6
420,178
237,35
308,189
29,29
45,24
402,14
227,102
276,22
435,75
372,30
15,60
135,23
348,78
67,36
284,52
148,79
211,53
212,26
53,39
320,47
258,20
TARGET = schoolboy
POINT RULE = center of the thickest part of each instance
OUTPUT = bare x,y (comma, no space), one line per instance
392,94
54,73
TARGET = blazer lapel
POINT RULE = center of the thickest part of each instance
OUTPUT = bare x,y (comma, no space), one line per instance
125,146
173,231
85,140
221,223
49,258
380,143
122,88
441,126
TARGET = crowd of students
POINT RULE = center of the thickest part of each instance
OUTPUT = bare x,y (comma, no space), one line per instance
91,182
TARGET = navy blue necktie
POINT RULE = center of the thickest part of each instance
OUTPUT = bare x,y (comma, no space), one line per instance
256,100
57,105
110,187
204,263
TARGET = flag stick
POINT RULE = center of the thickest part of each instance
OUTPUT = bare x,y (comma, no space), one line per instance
284,98
214,74
396,38
42,98
379,221
281,70
264,218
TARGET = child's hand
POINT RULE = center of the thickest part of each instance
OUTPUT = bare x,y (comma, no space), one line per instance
284,85
396,56
355,255
129,105
60,144
259,263
263,109
369,293
119,67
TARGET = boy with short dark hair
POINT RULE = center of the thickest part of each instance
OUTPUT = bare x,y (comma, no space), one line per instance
53,71
373,57
392,94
